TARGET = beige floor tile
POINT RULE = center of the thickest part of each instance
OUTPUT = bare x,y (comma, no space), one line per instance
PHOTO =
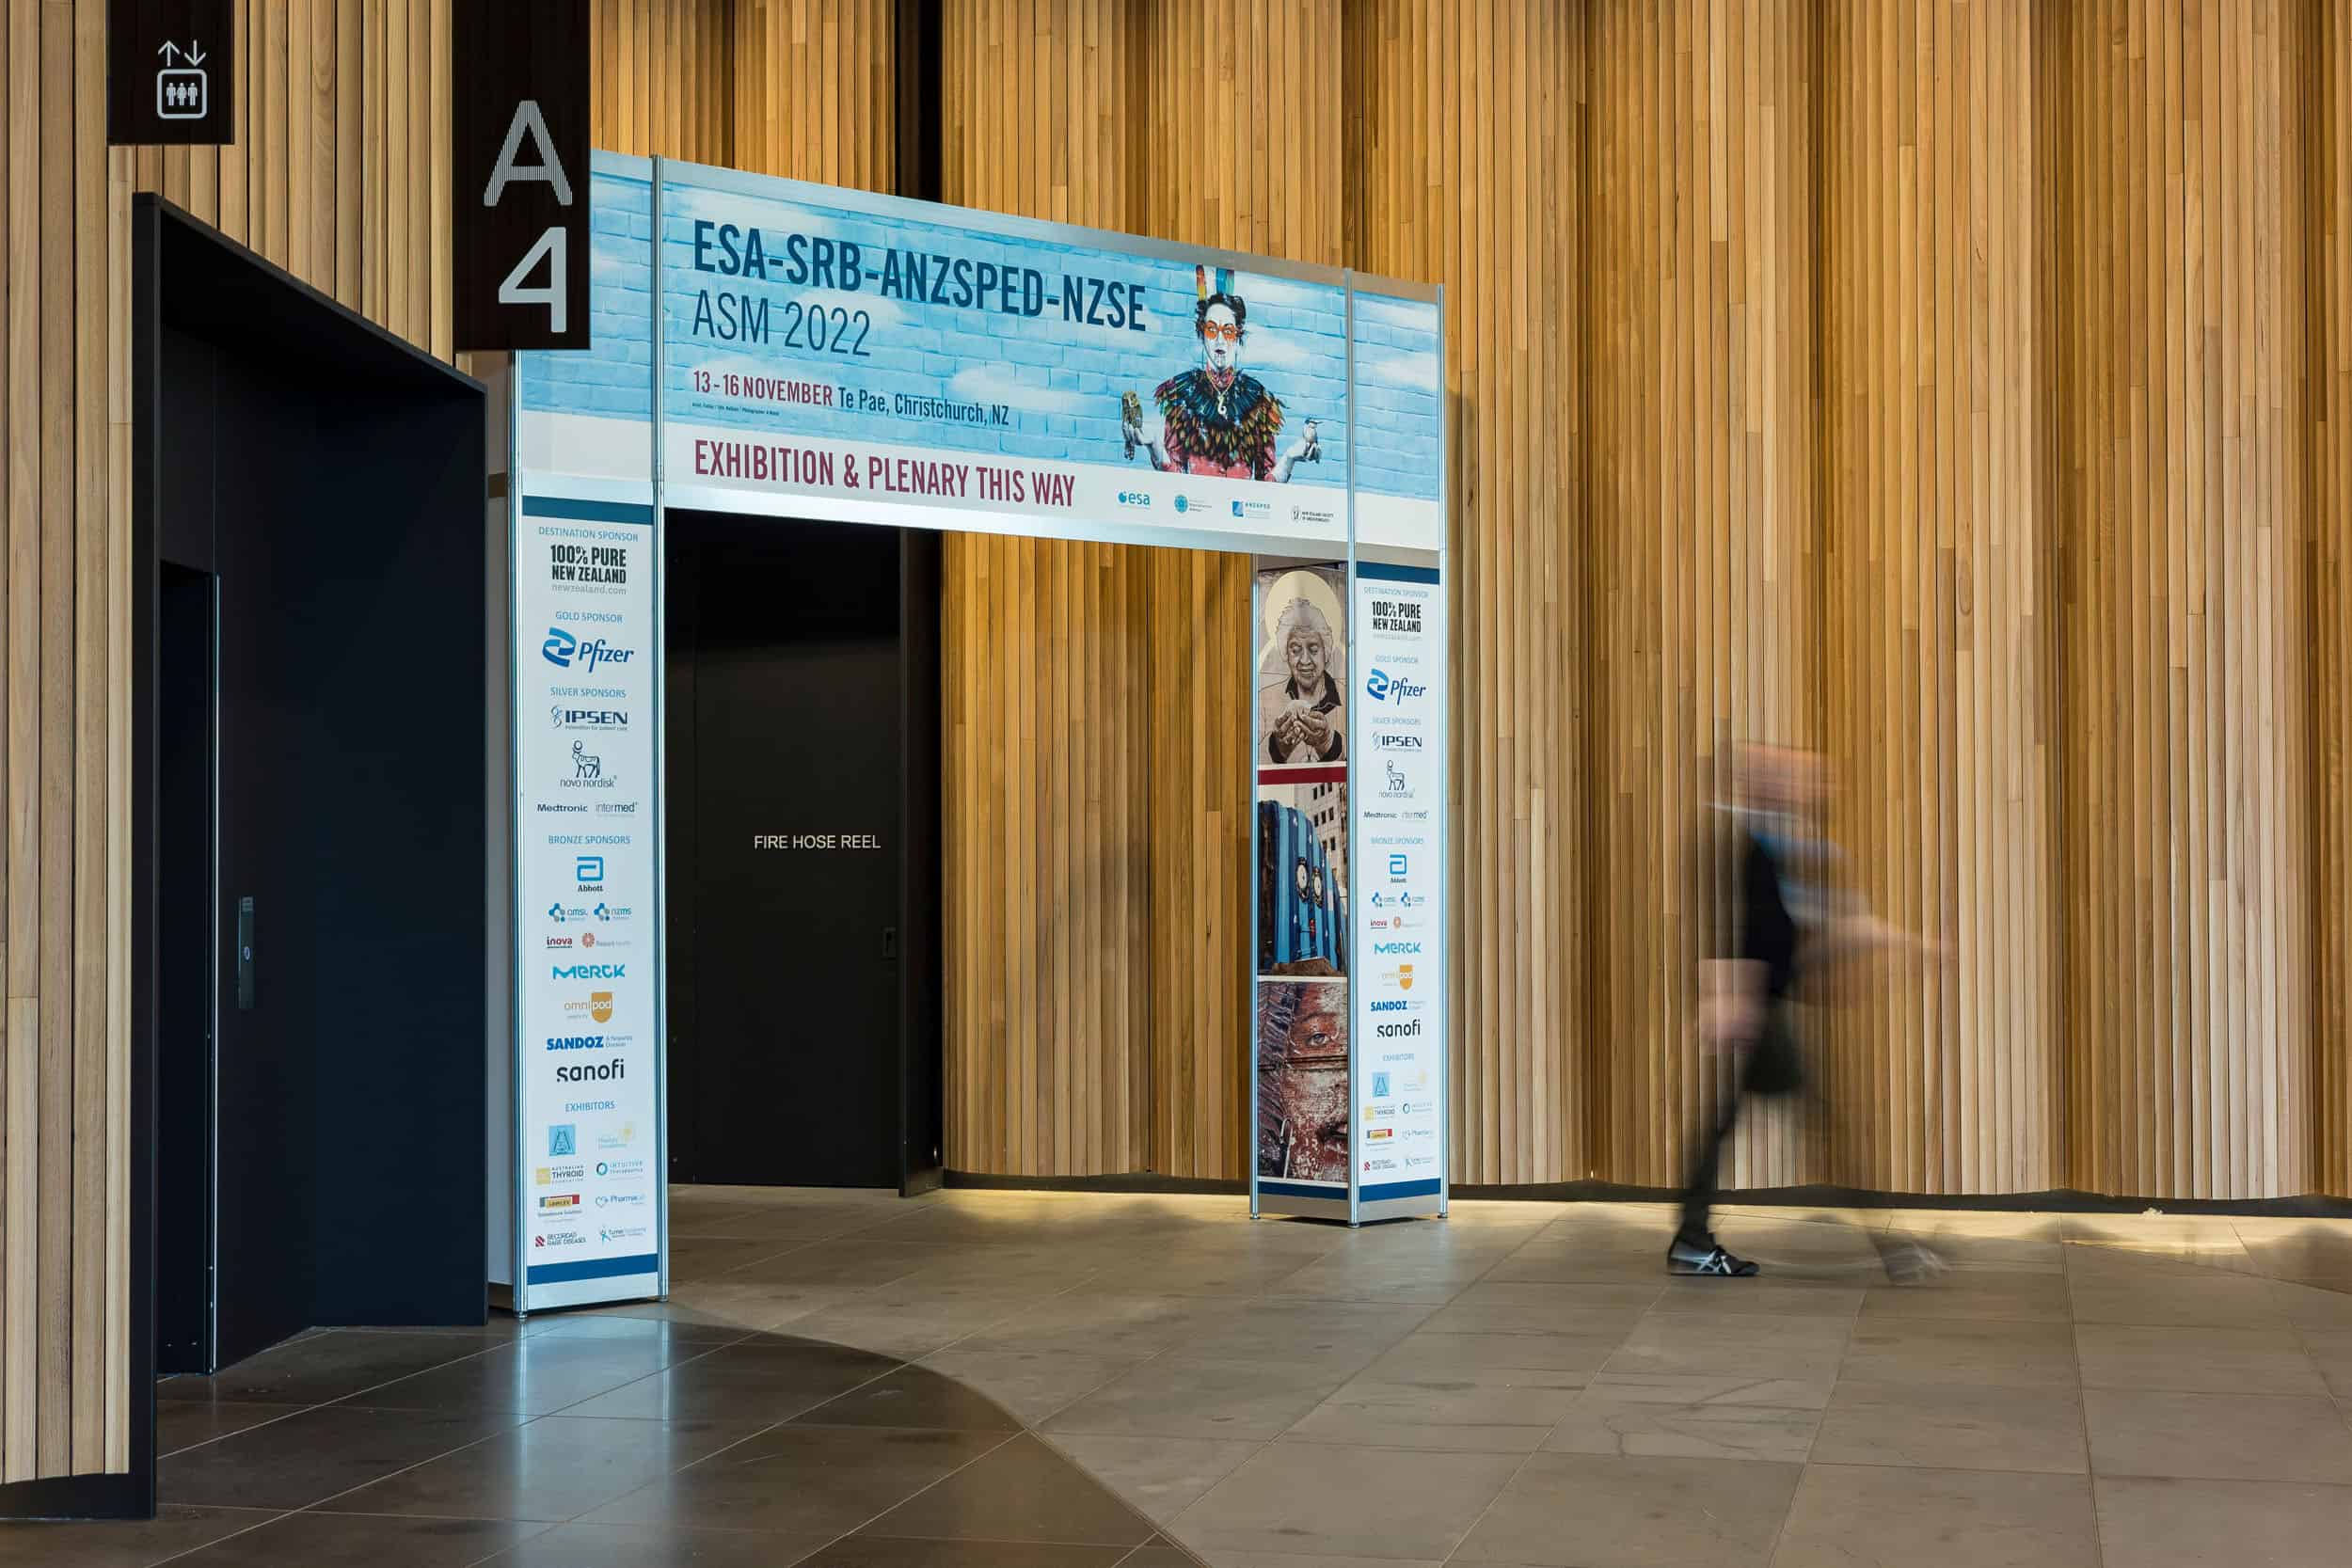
1967,1252
1341,1333
2196,1360
1428,1352
1716,1388
1803,1298
906,1325
1866,1516
1510,1307
1977,1296
1175,1398
1431,1282
2330,1350
1591,1510
1752,1345
2221,1301
2218,1436
1955,1427
1314,1560
1631,1419
1490,1412
1958,1350
2139,1261
1358,1503
1089,1325
1032,1385
2310,1307
1160,1476
2222,1524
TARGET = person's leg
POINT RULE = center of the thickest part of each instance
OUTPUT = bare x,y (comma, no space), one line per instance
1707,1159
1693,1249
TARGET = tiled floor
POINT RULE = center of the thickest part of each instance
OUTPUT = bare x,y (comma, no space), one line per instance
975,1379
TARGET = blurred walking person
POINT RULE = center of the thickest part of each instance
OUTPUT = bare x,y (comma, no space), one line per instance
1795,918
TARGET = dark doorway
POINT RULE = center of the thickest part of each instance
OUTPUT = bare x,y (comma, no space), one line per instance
185,1260
801,819
312,862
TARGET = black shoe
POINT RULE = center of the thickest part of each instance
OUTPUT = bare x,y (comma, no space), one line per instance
1685,1256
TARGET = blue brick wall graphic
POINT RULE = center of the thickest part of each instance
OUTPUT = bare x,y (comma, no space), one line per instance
1057,384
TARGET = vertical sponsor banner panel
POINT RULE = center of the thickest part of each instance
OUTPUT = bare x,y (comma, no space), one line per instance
1400,1091
588,1060
1300,735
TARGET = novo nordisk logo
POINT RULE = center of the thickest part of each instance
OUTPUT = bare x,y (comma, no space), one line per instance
562,650
591,972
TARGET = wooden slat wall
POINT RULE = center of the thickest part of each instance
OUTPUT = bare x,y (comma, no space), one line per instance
2328,192
1698,278
1443,100
664,78
813,90
1936,686
1097,838
2179,508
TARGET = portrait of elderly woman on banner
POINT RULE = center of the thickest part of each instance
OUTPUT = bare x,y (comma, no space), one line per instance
1302,668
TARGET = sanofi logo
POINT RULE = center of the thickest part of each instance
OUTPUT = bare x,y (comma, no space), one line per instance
591,972
564,650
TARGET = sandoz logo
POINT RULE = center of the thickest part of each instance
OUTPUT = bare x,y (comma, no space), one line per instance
576,1042
1391,1007
562,650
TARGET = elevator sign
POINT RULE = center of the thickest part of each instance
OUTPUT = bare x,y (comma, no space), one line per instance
170,72
520,141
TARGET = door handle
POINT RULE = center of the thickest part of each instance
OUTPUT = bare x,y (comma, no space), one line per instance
244,955
890,942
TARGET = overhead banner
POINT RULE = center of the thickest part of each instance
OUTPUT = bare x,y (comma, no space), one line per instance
588,1067
828,354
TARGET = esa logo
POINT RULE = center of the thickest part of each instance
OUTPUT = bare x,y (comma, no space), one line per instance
1385,687
566,652
1137,497
591,972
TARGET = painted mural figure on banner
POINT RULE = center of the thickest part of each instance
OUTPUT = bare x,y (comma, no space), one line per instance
1217,420
1302,1081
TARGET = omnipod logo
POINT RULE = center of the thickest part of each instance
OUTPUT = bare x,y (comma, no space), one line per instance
567,652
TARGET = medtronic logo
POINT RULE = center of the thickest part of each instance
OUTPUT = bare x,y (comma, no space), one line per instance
575,1043
1385,687
1142,498
591,972
562,650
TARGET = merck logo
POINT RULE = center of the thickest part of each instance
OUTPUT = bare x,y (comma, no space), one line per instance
591,972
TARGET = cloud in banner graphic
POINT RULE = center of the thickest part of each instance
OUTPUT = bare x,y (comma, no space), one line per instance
997,384
1277,351
1418,370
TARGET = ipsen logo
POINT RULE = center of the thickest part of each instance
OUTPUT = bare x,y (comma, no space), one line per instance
591,972
562,650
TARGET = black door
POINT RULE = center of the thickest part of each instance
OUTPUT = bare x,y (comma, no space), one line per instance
786,784
184,952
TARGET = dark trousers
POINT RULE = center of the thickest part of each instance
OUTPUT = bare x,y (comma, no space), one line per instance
1771,1068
